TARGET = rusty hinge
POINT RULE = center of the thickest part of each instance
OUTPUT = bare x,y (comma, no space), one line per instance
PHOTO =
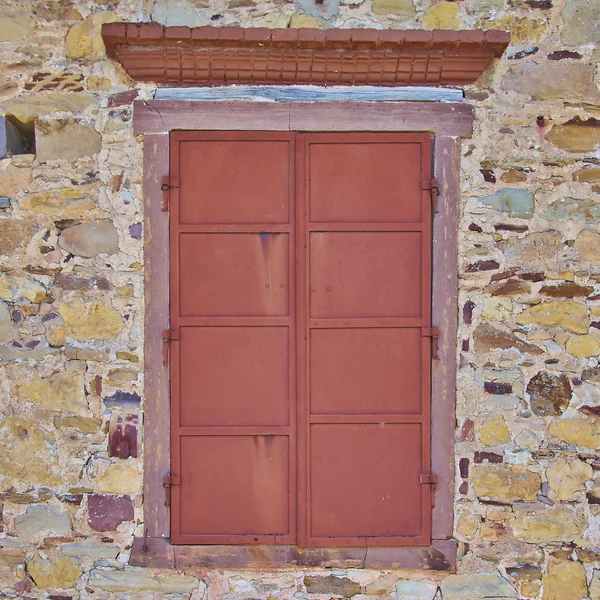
168,482
168,184
434,334
168,336
430,479
434,190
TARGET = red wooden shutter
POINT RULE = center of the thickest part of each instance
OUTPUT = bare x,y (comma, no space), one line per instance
232,304
310,420
364,303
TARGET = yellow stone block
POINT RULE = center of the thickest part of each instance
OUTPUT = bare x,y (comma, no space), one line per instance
505,483
569,315
63,391
567,477
564,580
84,39
522,29
583,346
494,432
120,478
588,246
299,21
58,571
445,15
90,320
577,432
404,8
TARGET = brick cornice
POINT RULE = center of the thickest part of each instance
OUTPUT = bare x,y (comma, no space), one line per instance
205,56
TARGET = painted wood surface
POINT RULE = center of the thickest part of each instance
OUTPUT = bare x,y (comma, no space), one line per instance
161,116
444,312
311,93
156,287
158,553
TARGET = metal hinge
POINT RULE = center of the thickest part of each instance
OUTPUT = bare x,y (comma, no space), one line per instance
168,184
168,336
434,190
434,334
168,482
430,479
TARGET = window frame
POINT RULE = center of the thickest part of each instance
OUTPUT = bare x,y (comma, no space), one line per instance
154,120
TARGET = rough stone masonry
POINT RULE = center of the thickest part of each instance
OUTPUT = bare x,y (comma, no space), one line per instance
527,499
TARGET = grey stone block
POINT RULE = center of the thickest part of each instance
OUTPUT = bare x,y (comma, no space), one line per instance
10,139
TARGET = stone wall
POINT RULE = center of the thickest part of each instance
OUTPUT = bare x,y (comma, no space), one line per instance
71,307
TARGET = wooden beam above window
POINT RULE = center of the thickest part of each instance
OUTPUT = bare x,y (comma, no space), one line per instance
210,56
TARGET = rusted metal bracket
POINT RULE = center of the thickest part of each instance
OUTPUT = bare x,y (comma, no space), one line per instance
168,336
434,190
434,334
168,482
168,184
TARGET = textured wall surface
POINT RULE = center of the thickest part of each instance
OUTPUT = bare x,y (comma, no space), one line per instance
71,307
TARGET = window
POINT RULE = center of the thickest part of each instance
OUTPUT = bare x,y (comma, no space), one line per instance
447,122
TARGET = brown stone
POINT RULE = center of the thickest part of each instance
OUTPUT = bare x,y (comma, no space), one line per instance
106,513
548,81
57,10
549,394
567,290
508,288
513,177
339,586
569,315
73,282
65,140
15,235
564,580
576,135
90,239
505,483
589,175
488,338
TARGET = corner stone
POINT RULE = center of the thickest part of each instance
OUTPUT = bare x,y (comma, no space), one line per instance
65,140
478,586
122,581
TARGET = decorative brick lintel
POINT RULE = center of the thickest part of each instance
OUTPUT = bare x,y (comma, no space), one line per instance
234,55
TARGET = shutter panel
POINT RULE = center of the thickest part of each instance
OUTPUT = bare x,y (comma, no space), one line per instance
232,302
365,380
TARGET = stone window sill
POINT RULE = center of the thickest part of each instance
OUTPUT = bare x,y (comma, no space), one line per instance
160,553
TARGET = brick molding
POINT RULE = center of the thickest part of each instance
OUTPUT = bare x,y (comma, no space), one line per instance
233,55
